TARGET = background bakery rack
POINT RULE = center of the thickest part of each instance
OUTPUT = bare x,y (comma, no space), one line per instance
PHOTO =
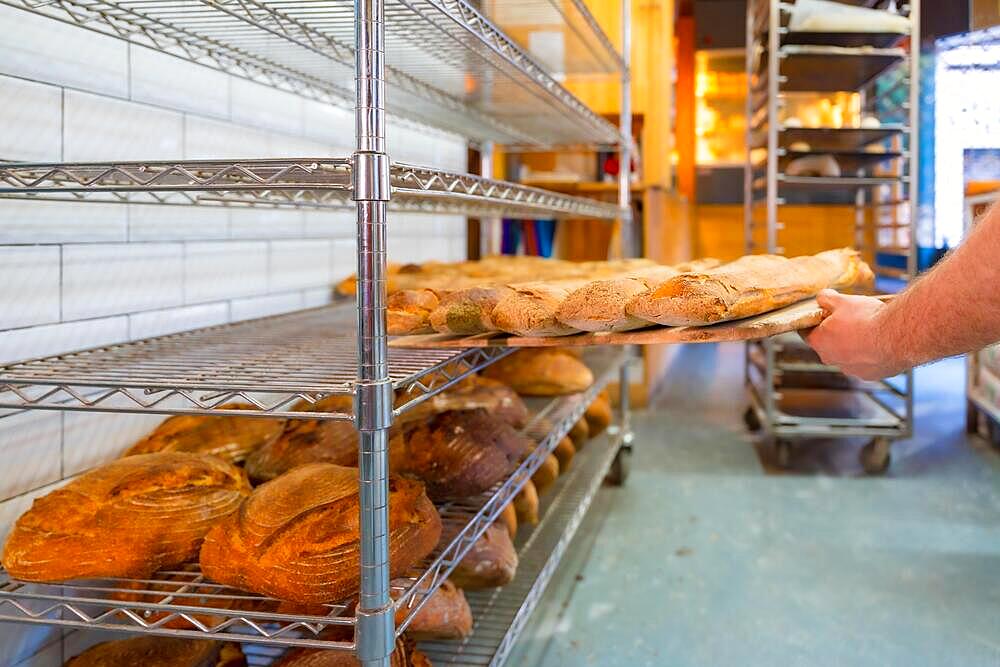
441,62
792,394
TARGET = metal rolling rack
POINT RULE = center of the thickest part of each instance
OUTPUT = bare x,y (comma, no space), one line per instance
445,64
982,380
792,394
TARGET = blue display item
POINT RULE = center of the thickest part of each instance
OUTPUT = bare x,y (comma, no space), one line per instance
926,258
545,232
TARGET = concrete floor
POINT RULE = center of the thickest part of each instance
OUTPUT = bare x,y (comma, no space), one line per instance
708,557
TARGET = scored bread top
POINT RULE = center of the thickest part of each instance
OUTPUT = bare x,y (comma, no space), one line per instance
296,537
228,437
160,652
128,518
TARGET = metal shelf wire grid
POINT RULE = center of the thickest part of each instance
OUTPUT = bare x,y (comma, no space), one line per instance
183,604
446,63
272,363
501,615
307,182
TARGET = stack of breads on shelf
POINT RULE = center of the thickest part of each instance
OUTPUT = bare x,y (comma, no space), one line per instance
270,506
530,296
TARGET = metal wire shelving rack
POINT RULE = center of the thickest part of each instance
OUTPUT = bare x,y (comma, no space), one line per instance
443,63
184,604
792,394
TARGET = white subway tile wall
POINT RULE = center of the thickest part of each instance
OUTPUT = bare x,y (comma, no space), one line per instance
75,275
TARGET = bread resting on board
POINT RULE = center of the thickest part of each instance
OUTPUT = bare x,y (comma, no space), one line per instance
749,286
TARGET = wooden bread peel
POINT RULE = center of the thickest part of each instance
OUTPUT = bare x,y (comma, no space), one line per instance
802,315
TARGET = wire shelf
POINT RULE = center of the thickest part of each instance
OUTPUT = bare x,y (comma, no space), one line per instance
305,182
501,615
183,603
446,64
272,363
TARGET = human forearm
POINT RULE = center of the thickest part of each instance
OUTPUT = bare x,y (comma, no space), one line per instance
955,308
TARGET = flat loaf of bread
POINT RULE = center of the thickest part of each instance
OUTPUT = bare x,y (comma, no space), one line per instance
405,655
160,652
542,372
564,453
409,311
491,562
458,454
229,438
308,441
508,517
445,616
530,308
600,304
296,537
474,392
580,433
128,518
546,475
749,286
468,311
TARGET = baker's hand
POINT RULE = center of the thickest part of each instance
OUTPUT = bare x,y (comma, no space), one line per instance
850,337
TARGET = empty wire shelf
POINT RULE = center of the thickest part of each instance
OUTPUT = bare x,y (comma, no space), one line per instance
447,64
307,182
183,603
281,365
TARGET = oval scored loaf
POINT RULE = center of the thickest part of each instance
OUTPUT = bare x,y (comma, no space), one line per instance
468,311
128,518
229,438
296,537
445,616
542,372
491,562
459,453
405,655
749,286
600,305
530,308
308,441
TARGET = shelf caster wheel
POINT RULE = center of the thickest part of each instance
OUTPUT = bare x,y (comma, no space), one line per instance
751,420
875,456
620,467
971,418
783,453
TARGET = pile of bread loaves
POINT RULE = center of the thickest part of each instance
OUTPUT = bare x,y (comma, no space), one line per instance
530,296
271,506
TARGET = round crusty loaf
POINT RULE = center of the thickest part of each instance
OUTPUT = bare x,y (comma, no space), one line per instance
128,518
459,453
546,474
491,562
542,372
445,616
529,309
564,453
526,504
229,438
405,655
296,537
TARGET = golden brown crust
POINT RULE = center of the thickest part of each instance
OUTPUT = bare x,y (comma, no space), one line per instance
600,305
580,433
749,286
564,453
508,517
458,453
598,414
229,438
408,311
128,518
491,562
542,372
473,392
546,474
468,311
526,504
308,441
160,652
296,537
445,616
530,308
